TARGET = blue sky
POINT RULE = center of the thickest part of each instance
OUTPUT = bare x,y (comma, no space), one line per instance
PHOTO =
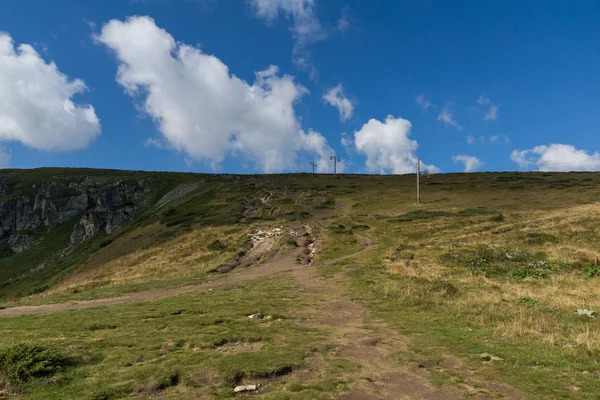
465,85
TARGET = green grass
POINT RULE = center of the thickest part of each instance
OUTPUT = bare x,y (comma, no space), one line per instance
489,263
433,331
142,347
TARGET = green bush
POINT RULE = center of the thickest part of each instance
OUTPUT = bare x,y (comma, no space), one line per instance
23,362
592,269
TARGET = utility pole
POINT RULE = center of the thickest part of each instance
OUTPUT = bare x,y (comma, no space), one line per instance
314,165
335,161
418,180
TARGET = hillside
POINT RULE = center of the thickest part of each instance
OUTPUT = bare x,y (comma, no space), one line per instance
142,283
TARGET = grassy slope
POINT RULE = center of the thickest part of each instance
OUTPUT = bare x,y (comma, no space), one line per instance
438,273
441,275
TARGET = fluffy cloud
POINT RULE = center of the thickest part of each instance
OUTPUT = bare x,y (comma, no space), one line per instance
202,109
35,102
422,102
335,97
388,147
557,157
471,163
305,29
447,118
470,139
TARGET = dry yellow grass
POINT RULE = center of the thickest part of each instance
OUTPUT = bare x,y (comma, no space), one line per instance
183,256
493,302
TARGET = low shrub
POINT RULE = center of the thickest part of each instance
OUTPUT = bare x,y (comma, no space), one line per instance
539,269
25,361
592,269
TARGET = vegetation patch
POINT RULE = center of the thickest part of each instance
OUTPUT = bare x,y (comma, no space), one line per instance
420,215
540,238
101,326
426,214
497,217
526,301
327,204
536,269
592,269
24,362
216,245
488,261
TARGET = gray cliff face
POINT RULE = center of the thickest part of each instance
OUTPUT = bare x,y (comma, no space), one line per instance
100,206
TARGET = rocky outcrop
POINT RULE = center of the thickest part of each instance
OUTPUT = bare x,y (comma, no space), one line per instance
19,242
100,205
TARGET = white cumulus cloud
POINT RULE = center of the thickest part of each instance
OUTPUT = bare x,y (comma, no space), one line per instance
202,109
471,163
447,118
306,27
557,157
36,106
336,98
387,146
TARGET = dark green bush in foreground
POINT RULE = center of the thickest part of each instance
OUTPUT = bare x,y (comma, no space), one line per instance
23,362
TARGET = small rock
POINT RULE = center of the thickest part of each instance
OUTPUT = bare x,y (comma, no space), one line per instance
246,388
269,317
256,316
218,321
587,312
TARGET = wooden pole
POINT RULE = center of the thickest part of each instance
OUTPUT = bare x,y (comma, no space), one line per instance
418,180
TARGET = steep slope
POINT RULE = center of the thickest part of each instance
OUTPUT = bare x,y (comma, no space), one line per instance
77,230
